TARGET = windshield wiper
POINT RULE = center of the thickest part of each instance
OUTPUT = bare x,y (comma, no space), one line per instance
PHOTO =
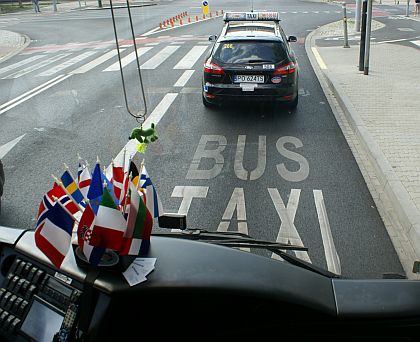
228,239
241,240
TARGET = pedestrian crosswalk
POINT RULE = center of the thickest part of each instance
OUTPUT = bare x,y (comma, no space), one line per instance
80,61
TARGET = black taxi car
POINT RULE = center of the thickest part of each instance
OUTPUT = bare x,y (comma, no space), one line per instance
251,59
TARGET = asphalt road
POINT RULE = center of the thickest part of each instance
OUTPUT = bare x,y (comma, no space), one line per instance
253,168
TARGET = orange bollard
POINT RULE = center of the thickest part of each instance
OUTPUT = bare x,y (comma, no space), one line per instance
196,18
211,15
189,20
172,24
217,13
204,16
160,25
167,22
180,22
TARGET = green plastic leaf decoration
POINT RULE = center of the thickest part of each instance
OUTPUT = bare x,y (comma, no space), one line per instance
141,147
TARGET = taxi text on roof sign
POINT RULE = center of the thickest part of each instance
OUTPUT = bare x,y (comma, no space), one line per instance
258,16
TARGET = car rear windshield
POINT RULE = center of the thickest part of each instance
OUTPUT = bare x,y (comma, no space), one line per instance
236,52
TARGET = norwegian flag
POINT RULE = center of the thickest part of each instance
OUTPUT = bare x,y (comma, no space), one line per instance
48,202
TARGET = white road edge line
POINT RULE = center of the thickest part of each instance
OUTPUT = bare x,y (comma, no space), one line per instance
154,117
35,93
333,260
5,149
28,92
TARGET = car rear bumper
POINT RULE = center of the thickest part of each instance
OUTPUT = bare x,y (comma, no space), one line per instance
217,93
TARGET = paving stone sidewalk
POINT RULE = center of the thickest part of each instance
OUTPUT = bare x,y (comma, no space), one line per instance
381,121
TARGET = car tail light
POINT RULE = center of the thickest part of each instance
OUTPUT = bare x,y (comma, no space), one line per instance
285,69
213,68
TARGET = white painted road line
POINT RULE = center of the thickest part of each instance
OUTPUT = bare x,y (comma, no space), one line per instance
128,59
182,81
160,110
333,261
5,149
95,62
160,57
29,92
191,57
58,79
288,232
416,42
19,64
34,67
67,63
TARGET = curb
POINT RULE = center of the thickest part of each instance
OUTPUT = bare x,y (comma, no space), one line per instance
27,41
407,214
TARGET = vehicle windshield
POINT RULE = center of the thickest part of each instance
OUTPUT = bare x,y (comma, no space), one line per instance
321,152
236,52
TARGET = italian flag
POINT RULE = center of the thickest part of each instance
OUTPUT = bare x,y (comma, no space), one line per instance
139,224
110,226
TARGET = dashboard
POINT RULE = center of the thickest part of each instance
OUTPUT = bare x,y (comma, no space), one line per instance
197,291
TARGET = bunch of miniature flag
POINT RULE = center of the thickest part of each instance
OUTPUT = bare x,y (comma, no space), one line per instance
113,212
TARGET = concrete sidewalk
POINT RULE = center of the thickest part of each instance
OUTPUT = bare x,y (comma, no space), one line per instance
379,114
11,43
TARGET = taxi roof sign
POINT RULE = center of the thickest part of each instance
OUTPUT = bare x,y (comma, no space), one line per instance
251,16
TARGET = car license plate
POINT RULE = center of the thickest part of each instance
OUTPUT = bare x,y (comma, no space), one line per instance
248,79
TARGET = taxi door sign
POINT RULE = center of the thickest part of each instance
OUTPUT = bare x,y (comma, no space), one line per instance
205,7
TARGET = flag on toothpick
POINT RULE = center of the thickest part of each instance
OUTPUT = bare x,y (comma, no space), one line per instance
71,187
153,202
136,165
84,233
139,224
80,168
119,176
96,188
110,225
85,179
109,185
53,235
48,202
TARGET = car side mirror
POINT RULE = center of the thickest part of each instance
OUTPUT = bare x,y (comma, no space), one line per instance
292,39
213,37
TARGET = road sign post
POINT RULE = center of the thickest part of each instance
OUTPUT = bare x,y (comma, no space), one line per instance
357,16
346,36
368,31
363,37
